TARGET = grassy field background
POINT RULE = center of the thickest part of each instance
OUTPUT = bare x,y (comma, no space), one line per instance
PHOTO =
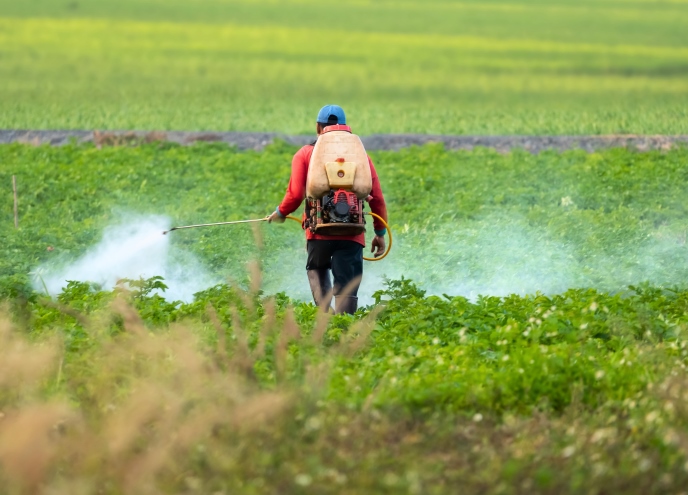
528,67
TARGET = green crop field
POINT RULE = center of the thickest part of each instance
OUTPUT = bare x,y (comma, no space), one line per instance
567,375
477,67
474,222
526,335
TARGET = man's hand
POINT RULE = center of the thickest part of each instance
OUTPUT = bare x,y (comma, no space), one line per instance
379,243
276,217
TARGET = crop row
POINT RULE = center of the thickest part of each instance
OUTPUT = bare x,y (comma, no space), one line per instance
465,223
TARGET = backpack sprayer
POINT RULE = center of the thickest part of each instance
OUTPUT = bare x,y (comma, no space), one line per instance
339,180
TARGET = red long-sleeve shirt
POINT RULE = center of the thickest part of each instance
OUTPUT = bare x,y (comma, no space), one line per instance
296,193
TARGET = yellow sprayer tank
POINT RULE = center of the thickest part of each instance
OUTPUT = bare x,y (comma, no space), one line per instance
339,161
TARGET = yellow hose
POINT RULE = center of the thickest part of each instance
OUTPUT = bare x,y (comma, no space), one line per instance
389,233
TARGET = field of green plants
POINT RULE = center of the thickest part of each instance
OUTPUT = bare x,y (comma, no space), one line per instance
535,344
465,222
469,67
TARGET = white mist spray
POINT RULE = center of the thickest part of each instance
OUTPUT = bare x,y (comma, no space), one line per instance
499,255
496,255
134,247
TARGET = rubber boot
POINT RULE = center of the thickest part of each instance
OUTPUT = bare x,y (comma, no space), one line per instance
345,304
321,287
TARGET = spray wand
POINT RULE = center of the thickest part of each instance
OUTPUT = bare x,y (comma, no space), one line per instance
290,217
218,223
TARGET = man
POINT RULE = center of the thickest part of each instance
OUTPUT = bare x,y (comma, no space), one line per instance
342,254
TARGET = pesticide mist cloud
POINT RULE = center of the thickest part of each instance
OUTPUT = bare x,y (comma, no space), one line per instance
500,255
495,255
132,248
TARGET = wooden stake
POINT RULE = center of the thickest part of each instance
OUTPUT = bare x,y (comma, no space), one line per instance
16,209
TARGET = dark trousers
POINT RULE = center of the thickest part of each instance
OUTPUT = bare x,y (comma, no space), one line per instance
344,258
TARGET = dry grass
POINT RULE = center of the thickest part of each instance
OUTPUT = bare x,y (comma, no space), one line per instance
148,402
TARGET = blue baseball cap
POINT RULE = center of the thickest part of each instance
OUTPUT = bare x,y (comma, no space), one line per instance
327,114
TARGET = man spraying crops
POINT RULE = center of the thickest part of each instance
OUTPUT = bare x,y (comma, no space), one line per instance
335,175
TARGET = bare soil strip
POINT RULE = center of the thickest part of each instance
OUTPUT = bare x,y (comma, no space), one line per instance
258,140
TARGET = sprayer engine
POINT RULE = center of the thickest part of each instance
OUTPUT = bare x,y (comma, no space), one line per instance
338,213
341,207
